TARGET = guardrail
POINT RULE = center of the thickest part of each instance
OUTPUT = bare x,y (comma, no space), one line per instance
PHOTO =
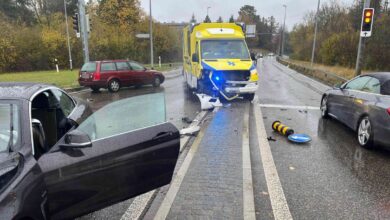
328,78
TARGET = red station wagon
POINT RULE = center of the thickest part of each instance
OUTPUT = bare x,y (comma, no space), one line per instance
114,74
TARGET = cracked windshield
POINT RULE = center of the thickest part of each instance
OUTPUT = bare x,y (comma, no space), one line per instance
212,109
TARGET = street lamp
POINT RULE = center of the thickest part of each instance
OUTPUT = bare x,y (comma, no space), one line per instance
151,34
284,27
67,36
315,34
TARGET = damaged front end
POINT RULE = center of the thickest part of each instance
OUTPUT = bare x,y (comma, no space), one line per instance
231,84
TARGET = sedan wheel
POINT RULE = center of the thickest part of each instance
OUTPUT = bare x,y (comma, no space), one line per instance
365,134
114,85
156,82
324,107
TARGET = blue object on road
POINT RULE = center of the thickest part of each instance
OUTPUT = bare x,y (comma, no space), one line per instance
299,138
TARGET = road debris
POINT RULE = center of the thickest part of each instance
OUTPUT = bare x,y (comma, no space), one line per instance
282,129
187,120
270,138
191,131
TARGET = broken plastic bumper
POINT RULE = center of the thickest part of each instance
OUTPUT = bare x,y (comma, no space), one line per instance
249,87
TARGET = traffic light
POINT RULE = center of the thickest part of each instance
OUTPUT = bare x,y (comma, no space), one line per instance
368,20
76,26
89,23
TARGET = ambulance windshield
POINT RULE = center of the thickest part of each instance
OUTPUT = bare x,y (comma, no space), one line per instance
224,49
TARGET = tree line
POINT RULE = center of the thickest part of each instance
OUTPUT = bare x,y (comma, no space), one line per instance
34,34
338,36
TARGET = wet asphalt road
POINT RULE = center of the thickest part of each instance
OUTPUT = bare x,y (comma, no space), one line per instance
332,177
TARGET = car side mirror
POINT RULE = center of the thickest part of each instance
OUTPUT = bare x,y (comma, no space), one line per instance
76,139
195,58
253,57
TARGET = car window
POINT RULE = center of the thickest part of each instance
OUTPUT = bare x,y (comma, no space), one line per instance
358,83
136,66
122,66
125,115
385,88
9,126
66,103
89,67
108,67
373,86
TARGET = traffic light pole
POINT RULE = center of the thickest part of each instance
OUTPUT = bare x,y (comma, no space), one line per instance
83,30
67,35
358,67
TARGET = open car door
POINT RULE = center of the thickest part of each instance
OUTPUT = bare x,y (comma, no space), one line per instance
123,150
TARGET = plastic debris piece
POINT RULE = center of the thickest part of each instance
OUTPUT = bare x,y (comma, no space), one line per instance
190,130
270,138
187,120
299,138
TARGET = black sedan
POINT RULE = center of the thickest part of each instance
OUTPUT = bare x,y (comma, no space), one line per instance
60,161
363,104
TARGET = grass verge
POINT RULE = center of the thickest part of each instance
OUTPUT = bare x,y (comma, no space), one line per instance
63,79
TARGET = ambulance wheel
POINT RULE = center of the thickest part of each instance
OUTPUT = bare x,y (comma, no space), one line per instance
249,97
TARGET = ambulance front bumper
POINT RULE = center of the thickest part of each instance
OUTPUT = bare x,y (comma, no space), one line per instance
245,87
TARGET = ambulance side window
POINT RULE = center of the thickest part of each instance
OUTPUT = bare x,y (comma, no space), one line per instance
197,49
189,43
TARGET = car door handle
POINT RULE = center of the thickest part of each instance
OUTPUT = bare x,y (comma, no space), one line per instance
162,135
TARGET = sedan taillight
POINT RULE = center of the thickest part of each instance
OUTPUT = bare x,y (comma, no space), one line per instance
388,111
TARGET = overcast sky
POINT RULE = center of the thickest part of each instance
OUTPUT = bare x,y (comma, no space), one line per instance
181,10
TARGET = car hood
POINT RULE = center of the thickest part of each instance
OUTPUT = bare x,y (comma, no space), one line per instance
227,64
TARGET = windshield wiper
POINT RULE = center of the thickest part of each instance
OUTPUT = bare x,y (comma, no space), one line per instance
11,135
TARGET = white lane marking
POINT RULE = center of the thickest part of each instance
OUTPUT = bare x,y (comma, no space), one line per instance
196,122
166,204
289,106
247,184
137,206
278,200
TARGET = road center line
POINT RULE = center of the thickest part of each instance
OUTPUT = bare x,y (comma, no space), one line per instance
169,198
278,200
304,107
247,184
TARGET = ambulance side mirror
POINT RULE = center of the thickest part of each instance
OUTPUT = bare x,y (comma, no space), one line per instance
195,58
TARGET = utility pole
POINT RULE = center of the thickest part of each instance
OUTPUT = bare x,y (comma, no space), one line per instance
83,30
362,41
315,34
151,34
67,34
284,28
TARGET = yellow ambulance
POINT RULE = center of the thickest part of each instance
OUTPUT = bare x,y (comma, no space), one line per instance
217,61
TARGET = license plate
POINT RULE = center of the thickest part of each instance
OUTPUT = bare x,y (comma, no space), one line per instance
84,75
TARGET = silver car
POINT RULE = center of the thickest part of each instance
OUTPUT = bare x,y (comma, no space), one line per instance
363,104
